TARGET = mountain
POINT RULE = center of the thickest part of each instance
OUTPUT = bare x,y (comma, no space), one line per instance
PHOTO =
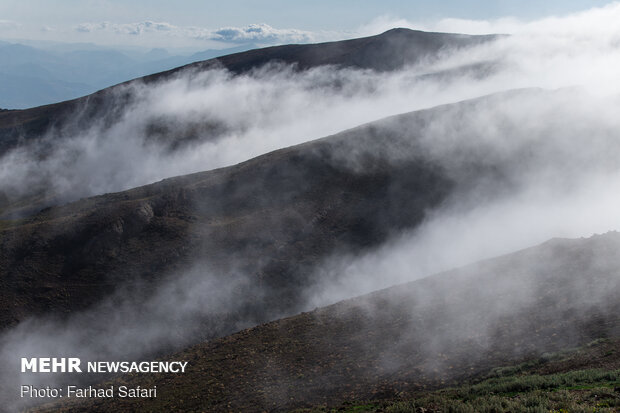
388,51
403,341
45,131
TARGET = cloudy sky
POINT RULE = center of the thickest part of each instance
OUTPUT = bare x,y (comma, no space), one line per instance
201,24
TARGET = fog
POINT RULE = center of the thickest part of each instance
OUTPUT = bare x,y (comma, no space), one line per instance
201,121
554,155
452,238
191,306
226,120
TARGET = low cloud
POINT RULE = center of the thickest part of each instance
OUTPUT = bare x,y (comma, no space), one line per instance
127,28
261,33
592,24
9,24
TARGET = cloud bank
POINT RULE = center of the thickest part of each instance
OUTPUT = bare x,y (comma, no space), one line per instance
226,119
594,23
254,33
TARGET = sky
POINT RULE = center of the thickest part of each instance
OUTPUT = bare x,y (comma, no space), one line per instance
200,24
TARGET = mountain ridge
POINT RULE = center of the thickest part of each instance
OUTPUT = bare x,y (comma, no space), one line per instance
405,47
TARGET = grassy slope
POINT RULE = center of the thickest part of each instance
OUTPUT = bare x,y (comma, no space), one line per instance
585,379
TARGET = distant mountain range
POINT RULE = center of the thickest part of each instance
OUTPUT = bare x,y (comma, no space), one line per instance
31,76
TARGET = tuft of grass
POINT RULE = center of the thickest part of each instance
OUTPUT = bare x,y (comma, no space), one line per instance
578,391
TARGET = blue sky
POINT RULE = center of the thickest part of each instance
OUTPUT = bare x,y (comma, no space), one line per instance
197,23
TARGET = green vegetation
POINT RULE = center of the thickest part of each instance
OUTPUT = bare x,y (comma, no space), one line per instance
576,391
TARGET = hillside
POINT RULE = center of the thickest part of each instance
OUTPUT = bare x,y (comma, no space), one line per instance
284,210
412,338
273,218
388,51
